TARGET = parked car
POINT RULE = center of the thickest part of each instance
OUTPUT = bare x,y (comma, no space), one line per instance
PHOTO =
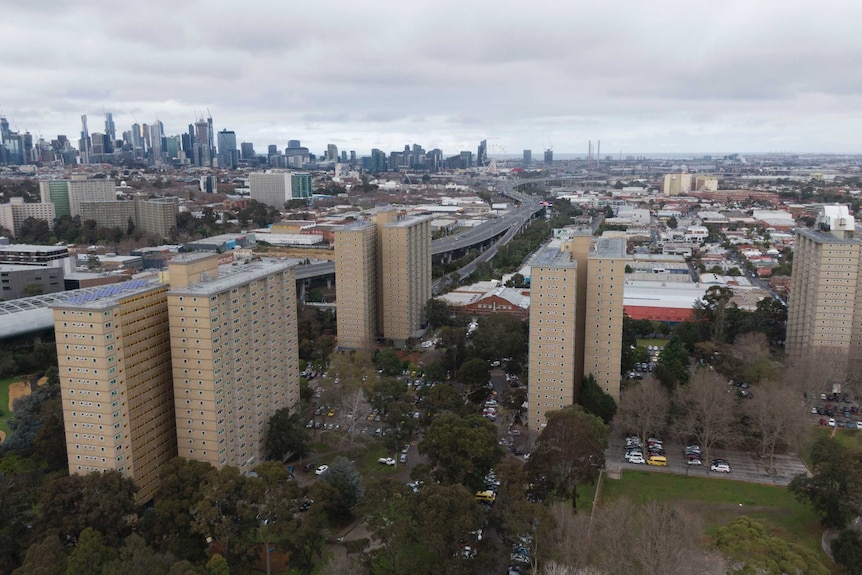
386,460
720,465
637,459
694,460
321,470
831,422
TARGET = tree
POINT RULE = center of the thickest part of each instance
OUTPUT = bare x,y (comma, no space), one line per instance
474,372
644,408
166,526
286,434
569,451
752,549
834,489
707,409
421,533
672,223
217,565
102,501
517,281
388,362
90,554
32,290
48,557
594,400
346,482
775,416
435,372
500,336
438,313
673,365
462,449
136,558
847,551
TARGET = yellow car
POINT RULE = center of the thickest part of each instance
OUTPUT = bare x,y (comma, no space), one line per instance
331,413
659,460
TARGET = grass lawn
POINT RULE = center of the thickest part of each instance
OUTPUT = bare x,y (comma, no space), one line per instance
4,403
720,501
652,341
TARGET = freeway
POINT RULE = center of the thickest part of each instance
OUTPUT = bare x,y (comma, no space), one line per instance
505,227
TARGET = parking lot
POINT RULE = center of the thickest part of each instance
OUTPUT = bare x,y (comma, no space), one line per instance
745,466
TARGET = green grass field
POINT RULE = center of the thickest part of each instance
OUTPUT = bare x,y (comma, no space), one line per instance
652,341
4,404
719,501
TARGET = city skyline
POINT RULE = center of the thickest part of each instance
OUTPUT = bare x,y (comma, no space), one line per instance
653,78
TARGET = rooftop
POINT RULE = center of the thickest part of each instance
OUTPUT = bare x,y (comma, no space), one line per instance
108,296
237,274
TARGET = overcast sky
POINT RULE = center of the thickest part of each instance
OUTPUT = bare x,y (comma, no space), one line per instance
641,76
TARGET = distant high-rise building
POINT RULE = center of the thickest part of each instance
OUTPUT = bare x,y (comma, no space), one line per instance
294,144
247,149
68,195
276,188
227,152
677,184
16,212
352,156
466,160
528,158
482,154
344,156
824,319
234,349
575,321
332,153
116,382
110,129
202,149
84,142
549,157
156,133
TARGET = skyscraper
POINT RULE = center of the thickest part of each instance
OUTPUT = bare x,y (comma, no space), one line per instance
276,188
116,382
528,158
549,157
332,153
110,129
247,149
228,156
824,320
233,336
576,316
482,154
202,149
84,142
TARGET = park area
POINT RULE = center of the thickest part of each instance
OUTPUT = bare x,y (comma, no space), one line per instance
718,502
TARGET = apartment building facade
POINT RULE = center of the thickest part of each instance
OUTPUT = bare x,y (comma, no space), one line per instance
116,381
825,303
576,312
68,195
233,333
356,285
16,212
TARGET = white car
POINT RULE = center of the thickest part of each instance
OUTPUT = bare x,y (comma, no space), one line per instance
637,459
831,422
720,467
321,470
386,460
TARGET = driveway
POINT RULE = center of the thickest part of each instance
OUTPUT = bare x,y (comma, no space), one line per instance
744,465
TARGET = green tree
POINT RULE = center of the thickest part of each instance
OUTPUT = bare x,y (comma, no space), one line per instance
834,489
286,434
32,290
217,565
438,313
516,281
136,558
570,451
594,400
315,295
847,551
47,557
421,534
346,482
166,525
101,501
388,362
90,554
435,372
752,549
474,372
462,449
500,336
673,365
